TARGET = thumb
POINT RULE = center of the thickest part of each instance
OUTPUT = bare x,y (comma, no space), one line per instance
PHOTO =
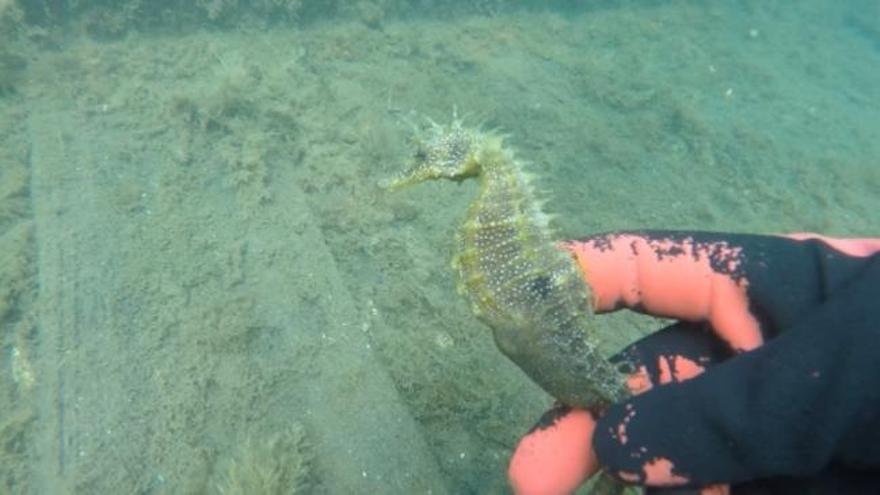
556,456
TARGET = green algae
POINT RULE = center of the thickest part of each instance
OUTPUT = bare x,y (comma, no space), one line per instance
276,465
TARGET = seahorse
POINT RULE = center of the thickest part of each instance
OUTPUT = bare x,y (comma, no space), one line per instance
519,281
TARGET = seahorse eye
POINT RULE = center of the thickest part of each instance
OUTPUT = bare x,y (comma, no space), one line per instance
421,155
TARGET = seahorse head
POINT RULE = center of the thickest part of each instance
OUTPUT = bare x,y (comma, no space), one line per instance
442,152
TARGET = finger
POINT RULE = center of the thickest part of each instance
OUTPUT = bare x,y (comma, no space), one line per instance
675,353
671,275
555,457
855,247
790,407
747,287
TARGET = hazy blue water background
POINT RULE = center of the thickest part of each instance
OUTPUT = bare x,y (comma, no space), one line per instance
202,289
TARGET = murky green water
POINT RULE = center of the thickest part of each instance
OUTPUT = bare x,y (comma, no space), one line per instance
203,290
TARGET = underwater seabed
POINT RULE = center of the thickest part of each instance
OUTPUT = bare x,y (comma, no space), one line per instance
203,289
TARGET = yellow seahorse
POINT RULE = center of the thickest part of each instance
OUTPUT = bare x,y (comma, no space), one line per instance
520,283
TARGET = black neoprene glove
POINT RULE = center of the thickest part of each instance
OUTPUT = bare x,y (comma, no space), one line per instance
771,380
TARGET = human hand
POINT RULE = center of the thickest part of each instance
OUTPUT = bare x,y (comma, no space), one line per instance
770,379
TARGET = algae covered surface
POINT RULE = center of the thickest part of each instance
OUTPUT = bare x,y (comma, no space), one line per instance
204,290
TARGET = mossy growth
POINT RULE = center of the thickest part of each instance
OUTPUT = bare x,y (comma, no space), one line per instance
278,464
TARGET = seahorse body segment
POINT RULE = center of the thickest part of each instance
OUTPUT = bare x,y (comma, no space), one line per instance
524,287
